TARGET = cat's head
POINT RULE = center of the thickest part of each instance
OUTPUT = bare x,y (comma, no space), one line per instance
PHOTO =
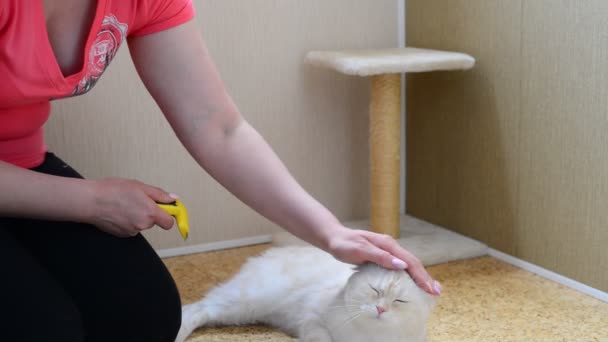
387,299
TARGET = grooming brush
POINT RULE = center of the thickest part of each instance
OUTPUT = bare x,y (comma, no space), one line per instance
178,210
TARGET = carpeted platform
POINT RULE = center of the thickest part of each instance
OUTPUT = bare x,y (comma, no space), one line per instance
484,300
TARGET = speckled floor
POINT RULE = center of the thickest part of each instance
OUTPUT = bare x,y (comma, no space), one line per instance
484,300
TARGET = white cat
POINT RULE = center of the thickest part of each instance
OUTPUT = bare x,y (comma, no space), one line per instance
307,293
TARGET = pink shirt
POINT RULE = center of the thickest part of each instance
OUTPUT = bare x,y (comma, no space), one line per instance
30,76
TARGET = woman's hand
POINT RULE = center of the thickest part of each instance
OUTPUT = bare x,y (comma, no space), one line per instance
359,246
124,207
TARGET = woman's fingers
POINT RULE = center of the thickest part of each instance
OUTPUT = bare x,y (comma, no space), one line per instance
157,194
385,259
395,253
162,219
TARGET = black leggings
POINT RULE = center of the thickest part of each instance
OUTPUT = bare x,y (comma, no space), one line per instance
68,282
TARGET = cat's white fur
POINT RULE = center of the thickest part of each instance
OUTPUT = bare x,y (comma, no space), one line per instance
307,293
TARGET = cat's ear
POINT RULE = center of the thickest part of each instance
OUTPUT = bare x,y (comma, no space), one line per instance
364,266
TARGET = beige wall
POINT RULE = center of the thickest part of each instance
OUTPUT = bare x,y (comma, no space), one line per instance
515,152
316,120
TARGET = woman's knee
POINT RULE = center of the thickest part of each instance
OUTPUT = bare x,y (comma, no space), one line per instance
154,313
143,306
167,309
157,301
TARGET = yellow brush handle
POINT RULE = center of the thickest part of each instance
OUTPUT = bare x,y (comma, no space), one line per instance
178,210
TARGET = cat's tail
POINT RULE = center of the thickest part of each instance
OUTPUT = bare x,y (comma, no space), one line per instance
193,316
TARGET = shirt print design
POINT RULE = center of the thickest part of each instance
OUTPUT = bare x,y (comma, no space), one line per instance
103,50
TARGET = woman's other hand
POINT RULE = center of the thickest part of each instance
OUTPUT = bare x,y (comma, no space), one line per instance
124,207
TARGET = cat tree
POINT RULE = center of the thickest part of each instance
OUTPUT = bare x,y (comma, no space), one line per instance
385,68
430,243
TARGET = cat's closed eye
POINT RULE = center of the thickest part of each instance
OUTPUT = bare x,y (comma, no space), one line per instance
377,292
401,301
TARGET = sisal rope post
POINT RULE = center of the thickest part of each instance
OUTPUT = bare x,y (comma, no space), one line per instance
385,113
385,142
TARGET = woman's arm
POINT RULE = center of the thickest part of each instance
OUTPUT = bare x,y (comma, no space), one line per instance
118,206
31,194
178,71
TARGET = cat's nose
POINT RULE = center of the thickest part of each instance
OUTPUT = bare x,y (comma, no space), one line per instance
380,310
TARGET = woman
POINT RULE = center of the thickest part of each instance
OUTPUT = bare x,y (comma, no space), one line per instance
75,266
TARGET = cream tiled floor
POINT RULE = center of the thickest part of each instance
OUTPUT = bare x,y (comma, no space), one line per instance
484,300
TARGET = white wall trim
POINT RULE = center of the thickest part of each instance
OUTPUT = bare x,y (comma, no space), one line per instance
214,246
573,284
401,42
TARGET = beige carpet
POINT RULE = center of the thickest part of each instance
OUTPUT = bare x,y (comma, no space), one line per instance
484,300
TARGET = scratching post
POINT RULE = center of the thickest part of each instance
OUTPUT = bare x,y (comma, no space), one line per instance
385,67
384,144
